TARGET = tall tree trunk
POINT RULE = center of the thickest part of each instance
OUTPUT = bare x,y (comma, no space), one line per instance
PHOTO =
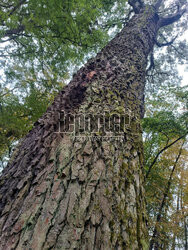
60,192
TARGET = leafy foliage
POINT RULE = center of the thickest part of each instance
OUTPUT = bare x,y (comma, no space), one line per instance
23,105
55,32
165,125
41,41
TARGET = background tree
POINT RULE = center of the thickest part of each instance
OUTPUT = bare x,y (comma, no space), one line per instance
165,127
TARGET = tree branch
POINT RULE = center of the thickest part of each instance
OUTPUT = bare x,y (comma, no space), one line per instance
17,6
160,152
164,21
152,64
137,5
181,54
6,5
9,91
167,43
158,4
12,32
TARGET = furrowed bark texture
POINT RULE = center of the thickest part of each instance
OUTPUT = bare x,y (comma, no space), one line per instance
60,192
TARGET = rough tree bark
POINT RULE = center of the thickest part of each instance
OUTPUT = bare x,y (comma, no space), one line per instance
63,193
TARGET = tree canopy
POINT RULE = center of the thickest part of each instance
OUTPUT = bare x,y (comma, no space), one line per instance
55,32
42,43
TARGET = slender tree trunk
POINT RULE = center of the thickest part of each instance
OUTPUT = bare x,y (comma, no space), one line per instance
60,192
184,222
155,241
177,212
185,231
